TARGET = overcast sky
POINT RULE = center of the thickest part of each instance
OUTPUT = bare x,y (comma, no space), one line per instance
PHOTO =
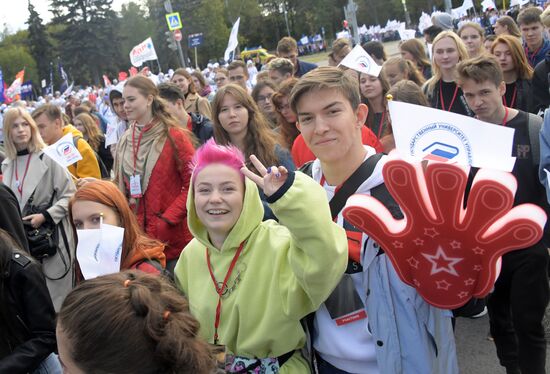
14,13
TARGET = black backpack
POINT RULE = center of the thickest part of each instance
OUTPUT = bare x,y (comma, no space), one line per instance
202,127
102,168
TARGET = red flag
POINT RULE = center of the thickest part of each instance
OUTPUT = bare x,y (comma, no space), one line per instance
15,89
133,71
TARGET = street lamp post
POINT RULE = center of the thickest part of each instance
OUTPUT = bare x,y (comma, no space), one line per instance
286,18
407,15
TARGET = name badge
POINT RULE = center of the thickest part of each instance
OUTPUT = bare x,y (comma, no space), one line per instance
135,186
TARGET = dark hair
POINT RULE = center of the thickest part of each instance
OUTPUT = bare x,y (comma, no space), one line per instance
184,73
385,88
133,322
376,49
529,15
259,139
432,31
197,74
170,92
235,64
114,94
260,86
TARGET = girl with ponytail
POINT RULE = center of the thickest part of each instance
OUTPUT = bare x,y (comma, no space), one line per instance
130,322
151,166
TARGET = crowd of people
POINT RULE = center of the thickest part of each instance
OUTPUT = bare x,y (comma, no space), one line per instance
201,229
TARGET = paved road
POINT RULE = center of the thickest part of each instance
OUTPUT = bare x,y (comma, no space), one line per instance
476,354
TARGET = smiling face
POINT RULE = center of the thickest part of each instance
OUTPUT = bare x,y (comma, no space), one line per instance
446,53
470,36
20,133
136,105
233,116
87,215
181,82
329,125
218,197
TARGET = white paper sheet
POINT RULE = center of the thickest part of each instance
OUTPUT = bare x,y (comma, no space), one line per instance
63,151
99,250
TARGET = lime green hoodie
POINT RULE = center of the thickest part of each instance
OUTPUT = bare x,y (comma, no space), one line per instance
284,273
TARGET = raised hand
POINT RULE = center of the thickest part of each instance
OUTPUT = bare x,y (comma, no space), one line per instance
448,253
271,179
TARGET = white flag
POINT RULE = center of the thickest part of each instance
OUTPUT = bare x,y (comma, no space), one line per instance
233,40
144,51
488,4
63,151
358,59
99,251
432,134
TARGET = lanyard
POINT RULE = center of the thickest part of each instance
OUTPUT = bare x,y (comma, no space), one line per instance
134,147
441,96
513,101
504,120
381,124
20,185
220,290
534,55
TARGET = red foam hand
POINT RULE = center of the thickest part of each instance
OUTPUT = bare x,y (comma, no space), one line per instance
448,253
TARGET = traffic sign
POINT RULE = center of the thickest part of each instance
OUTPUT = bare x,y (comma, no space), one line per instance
195,40
177,35
174,21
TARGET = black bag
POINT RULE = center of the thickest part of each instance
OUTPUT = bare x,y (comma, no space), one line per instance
43,240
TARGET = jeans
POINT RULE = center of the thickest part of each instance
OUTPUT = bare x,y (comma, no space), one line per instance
516,309
50,365
325,367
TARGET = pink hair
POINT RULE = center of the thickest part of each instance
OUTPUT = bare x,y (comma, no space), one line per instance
213,153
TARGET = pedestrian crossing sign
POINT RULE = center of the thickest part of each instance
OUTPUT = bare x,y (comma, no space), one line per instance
174,21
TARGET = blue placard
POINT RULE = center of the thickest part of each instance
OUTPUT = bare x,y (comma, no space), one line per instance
195,40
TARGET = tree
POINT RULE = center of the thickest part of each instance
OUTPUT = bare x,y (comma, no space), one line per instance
39,43
88,44
14,58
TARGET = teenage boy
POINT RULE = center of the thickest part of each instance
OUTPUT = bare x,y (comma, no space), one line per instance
279,70
372,322
288,48
199,125
532,31
521,293
238,74
51,126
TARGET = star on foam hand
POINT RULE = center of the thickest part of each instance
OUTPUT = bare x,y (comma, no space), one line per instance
448,252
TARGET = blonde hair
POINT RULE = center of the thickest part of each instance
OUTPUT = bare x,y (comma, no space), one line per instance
35,143
462,55
91,130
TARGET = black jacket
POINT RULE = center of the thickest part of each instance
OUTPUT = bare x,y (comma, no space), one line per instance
31,317
539,86
10,216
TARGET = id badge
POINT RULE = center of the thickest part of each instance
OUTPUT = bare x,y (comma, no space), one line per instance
135,186
344,304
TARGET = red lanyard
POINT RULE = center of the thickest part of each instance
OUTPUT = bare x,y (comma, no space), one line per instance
504,120
220,290
381,124
534,55
20,185
513,101
134,147
441,96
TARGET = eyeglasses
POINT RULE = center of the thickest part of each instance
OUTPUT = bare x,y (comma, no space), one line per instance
264,98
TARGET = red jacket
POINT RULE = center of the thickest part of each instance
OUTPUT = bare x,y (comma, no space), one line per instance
162,211
302,154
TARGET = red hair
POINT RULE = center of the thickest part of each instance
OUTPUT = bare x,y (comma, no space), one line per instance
212,153
107,193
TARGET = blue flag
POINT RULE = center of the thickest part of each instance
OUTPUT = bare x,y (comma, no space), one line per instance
64,77
1,86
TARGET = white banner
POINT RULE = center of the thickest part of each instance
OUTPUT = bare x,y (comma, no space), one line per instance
432,134
488,4
233,39
63,151
144,51
358,59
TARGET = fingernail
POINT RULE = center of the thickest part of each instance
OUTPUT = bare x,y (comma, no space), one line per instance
278,175
268,170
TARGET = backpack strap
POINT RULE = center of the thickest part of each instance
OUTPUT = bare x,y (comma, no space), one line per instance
534,124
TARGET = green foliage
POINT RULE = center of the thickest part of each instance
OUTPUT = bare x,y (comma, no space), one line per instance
39,43
15,57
